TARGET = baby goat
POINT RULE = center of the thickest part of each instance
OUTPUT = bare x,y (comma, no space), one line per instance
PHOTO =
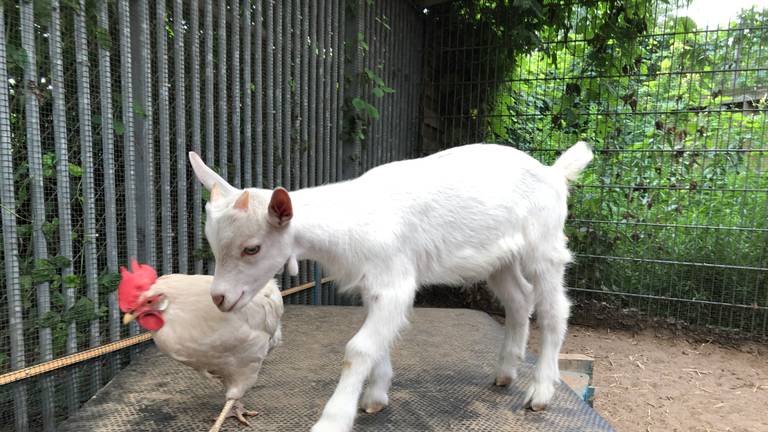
474,212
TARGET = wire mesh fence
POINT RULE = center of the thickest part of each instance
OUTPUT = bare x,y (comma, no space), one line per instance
671,219
101,102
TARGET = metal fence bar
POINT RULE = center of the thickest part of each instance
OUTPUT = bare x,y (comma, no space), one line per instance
297,119
182,232
338,37
269,150
304,144
281,78
222,79
286,106
296,89
108,178
63,195
327,83
143,122
312,141
210,99
247,92
10,242
86,158
197,228
258,112
235,89
145,158
37,201
164,136
322,144
277,180
123,13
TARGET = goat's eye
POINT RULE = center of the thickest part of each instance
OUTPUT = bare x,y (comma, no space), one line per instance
251,250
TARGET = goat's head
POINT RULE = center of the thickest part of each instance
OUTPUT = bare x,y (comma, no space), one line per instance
248,233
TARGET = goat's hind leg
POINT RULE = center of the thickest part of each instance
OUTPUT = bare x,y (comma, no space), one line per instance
552,310
516,295
375,397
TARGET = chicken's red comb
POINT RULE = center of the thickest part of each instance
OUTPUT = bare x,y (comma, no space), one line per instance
133,283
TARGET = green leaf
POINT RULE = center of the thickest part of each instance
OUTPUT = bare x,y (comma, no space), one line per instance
373,112
139,110
49,319
75,170
60,261
109,281
43,271
359,104
119,127
378,92
103,40
58,299
72,282
18,56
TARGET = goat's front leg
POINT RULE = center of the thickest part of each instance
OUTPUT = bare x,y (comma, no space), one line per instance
387,315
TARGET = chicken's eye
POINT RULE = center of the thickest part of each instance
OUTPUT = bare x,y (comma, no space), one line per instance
251,250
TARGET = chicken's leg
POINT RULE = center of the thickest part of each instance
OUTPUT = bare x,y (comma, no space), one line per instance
233,408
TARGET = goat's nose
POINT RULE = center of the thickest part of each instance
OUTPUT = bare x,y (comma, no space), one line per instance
218,299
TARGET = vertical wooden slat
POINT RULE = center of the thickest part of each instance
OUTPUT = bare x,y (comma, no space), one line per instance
10,241
164,136
180,106
86,162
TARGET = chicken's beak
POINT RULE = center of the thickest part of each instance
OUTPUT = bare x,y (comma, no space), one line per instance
128,318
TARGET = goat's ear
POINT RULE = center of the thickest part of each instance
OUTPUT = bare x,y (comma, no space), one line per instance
215,193
242,202
208,177
280,209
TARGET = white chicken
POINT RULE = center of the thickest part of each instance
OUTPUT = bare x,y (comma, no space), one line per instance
187,326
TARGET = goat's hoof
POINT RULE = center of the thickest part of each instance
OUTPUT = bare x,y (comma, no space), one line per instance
374,408
539,395
503,381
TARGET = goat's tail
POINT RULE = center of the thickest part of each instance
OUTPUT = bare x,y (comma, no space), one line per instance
574,160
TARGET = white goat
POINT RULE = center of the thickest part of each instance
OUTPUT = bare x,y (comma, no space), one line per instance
474,212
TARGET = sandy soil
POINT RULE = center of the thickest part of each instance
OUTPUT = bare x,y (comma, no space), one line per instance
657,381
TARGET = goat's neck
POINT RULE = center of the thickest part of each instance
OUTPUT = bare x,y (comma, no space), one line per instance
324,222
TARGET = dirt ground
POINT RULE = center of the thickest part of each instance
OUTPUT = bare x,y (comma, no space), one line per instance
658,381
